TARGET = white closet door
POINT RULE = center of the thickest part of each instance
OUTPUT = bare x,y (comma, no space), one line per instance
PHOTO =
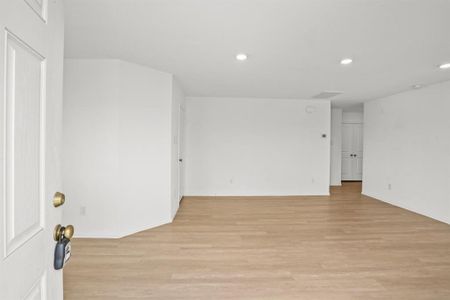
357,151
347,154
352,151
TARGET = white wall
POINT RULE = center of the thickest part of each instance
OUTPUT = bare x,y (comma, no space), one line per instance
336,146
144,146
117,147
407,147
90,153
257,147
352,117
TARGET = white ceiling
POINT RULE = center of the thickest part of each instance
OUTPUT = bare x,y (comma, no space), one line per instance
294,46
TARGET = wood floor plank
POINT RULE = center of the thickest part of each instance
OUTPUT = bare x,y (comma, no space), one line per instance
345,246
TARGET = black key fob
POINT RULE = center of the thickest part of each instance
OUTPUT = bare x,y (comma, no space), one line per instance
62,253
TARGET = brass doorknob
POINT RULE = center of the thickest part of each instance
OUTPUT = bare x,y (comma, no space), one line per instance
61,231
58,199
68,232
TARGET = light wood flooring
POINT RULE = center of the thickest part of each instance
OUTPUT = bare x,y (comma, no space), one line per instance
346,246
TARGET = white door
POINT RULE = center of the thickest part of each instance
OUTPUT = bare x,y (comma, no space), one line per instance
180,151
31,60
358,151
347,152
352,153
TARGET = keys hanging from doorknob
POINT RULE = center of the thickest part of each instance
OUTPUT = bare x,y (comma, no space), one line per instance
62,236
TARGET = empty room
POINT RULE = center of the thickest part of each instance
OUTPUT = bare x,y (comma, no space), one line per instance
224,149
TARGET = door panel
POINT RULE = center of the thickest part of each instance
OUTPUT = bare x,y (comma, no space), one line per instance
358,168
347,138
39,7
358,150
38,291
31,59
358,137
346,167
24,160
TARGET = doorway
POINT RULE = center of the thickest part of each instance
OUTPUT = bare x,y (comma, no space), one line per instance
352,147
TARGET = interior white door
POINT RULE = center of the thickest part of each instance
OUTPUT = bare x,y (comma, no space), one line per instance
31,60
358,151
352,151
347,152
180,151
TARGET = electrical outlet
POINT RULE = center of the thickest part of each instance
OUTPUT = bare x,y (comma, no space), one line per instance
389,186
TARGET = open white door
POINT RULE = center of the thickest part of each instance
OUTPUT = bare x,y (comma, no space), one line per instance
31,61
180,151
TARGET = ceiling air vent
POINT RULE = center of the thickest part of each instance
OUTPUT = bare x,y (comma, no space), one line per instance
327,94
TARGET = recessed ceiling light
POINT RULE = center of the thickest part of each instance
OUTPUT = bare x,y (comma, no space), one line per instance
241,56
346,61
416,86
445,66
